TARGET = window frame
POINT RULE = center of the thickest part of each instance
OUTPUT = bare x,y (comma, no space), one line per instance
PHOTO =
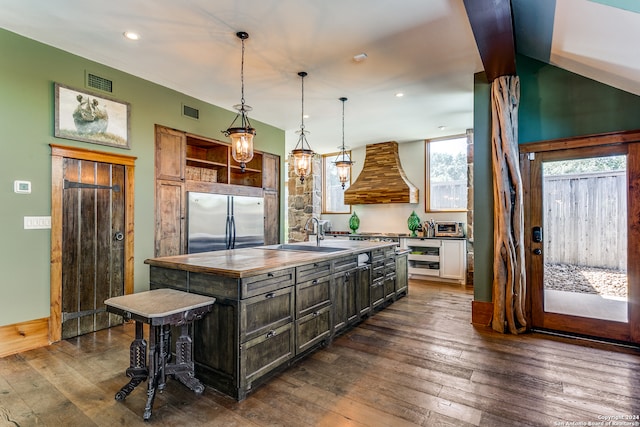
427,174
327,161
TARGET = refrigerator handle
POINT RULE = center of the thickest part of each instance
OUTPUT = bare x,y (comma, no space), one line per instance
233,232
228,225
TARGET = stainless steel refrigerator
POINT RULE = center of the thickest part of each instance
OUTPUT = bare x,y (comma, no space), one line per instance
216,222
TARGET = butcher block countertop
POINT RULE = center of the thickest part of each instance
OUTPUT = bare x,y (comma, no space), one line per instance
246,262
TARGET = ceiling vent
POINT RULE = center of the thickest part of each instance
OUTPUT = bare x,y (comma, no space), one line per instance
382,179
99,83
194,113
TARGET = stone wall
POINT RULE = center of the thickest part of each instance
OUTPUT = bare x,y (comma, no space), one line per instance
304,201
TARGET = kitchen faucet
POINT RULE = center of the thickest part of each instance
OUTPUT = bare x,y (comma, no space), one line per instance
319,235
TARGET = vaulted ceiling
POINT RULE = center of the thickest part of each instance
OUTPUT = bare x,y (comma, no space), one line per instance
424,49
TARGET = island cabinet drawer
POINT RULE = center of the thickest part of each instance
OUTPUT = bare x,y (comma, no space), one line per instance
378,272
346,263
312,295
313,328
266,312
267,282
377,255
377,293
265,353
168,278
313,271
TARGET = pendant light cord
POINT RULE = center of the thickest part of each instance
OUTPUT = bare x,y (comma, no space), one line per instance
302,122
242,77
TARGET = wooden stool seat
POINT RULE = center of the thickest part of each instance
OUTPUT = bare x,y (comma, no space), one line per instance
160,309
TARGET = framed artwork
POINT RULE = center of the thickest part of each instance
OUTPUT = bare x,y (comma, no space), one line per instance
89,117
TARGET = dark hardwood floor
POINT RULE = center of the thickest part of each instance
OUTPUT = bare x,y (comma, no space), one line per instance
418,362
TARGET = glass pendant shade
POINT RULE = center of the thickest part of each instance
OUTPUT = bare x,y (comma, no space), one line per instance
344,168
302,157
302,160
241,137
242,145
343,161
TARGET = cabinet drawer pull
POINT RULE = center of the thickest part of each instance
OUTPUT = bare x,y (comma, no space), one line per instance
314,282
271,334
269,274
315,314
269,295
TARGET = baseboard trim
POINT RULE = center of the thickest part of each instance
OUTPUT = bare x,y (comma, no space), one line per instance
24,336
481,313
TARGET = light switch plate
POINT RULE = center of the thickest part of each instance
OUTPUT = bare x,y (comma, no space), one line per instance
37,222
22,187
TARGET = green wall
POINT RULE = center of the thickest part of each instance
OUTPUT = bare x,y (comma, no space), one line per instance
28,71
554,103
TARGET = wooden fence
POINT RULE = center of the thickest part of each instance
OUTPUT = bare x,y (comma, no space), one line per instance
585,218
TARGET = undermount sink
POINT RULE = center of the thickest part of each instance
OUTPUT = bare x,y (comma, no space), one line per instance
308,248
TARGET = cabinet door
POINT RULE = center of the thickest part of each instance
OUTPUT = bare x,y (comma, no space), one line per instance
170,154
345,310
169,218
270,172
402,276
363,290
452,259
271,217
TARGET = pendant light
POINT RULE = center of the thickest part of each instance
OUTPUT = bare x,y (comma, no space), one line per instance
302,156
241,136
343,161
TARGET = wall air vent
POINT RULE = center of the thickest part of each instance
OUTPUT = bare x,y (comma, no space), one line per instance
194,113
99,83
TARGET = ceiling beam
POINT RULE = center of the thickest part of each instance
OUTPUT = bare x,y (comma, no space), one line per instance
493,30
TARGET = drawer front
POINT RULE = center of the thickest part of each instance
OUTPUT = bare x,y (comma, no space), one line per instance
312,295
265,353
267,282
377,293
262,313
313,271
313,328
168,278
378,272
377,255
345,264
390,287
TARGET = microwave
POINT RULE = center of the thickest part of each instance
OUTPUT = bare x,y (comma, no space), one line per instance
449,229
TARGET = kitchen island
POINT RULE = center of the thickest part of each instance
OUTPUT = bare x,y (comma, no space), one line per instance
275,304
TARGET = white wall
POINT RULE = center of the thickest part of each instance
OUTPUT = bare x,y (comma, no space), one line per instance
392,217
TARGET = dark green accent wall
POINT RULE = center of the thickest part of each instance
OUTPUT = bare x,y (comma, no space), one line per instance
28,70
554,103
482,190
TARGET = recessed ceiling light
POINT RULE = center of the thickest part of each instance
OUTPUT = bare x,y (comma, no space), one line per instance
360,57
399,95
131,35
306,116
442,127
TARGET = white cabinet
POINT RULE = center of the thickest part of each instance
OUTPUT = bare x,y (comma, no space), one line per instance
437,259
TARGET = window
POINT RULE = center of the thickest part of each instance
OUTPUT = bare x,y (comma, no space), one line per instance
446,174
333,193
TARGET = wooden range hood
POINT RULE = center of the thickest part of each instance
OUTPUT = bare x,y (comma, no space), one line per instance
382,179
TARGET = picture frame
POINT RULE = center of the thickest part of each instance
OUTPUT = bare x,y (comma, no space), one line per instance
90,117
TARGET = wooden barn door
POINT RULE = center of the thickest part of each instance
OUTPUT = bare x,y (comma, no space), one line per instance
92,238
92,244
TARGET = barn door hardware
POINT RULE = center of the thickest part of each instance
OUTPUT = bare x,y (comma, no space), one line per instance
72,184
